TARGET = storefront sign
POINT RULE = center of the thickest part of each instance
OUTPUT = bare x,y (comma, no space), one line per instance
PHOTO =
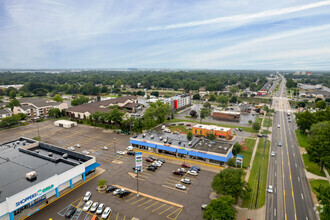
34,195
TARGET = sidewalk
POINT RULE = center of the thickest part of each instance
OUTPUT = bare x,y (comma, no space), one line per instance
255,214
313,176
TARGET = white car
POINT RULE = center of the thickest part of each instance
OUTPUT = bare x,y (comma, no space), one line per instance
270,189
94,206
129,148
87,196
88,205
272,154
77,145
106,212
85,152
180,186
71,148
182,170
157,163
100,209
278,126
120,152
192,172
117,191
186,181
104,148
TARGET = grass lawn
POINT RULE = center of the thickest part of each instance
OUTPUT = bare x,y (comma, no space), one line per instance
180,128
269,114
312,166
247,129
260,163
268,122
187,116
317,183
259,120
266,132
302,138
247,154
114,96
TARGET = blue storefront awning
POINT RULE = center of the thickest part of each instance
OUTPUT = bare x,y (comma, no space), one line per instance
182,151
210,156
142,143
161,147
91,167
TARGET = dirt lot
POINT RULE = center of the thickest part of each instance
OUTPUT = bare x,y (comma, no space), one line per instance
160,200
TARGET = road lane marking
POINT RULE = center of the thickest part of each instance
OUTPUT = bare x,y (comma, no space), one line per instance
302,196
294,154
295,164
275,190
298,179
282,170
274,212
275,173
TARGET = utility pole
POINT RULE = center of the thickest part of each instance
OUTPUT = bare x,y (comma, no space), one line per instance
114,144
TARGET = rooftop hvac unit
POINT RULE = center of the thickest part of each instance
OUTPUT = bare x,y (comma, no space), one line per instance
50,154
65,156
31,176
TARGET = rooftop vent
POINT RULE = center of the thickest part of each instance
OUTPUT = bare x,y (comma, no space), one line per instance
31,176
50,154
37,151
65,156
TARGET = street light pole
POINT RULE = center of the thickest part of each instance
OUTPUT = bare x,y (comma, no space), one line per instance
114,143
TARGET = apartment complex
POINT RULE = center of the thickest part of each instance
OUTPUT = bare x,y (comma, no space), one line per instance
178,102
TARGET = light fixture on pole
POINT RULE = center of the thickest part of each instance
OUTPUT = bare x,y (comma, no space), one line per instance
114,144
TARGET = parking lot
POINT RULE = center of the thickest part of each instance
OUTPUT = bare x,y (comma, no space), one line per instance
157,188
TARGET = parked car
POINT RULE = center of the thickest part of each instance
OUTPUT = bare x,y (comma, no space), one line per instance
149,159
110,189
106,213
85,152
120,152
180,186
87,196
236,129
183,170
135,136
100,209
151,168
131,153
129,148
176,172
77,145
117,191
259,135
94,206
270,189
196,168
186,181
157,163
188,125
104,148
278,126
152,157
161,160
124,193
70,212
185,165
71,148
192,172
88,205
204,206
240,129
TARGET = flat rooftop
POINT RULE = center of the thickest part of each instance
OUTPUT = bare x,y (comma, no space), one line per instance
24,155
227,112
202,144
211,127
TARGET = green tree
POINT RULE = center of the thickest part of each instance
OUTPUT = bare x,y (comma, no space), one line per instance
104,89
54,112
98,98
12,103
256,126
22,94
79,100
12,94
319,144
236,149
290,83
221,208
233,99
305,120
212,97
207,105
321,104
7,91
211,136
189,135
116,115
196,96
233,89
118,84
193,113
204,113
9,121
155,93
101,182
223,100
231,162
58,98
230,182
158,111
323,196
250,122
253,87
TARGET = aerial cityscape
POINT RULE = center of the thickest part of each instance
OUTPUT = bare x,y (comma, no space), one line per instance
173,110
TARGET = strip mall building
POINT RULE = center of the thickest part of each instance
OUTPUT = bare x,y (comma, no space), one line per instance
56,169
205,130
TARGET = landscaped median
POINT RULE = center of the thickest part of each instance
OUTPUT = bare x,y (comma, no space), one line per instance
258,177
268,122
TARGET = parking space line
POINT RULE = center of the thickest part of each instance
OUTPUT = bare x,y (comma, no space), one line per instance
117,216
151,205
138,200
169,183
130,199
158,208
173,213
126,196
175,216
144,203
124,217
165,210
174,188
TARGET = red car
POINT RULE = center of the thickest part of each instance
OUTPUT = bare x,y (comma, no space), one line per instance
177,172
149,160
185,165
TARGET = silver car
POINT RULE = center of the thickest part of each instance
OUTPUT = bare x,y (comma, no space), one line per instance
100,209
180,186
87,196
272,154
94,206
88,205
186,181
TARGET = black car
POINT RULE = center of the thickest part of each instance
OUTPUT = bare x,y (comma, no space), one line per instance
131,153
152,157
259,135
70,212
134,168
110,189
151,168
135,136
124,193
161,160
240,129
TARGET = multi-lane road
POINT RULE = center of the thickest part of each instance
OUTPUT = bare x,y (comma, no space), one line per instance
291,198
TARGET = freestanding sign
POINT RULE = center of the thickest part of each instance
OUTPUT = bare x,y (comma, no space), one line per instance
138,161
239,160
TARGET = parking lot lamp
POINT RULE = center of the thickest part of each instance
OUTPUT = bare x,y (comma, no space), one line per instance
114,144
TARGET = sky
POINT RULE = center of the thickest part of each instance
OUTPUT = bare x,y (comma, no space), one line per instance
186,34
